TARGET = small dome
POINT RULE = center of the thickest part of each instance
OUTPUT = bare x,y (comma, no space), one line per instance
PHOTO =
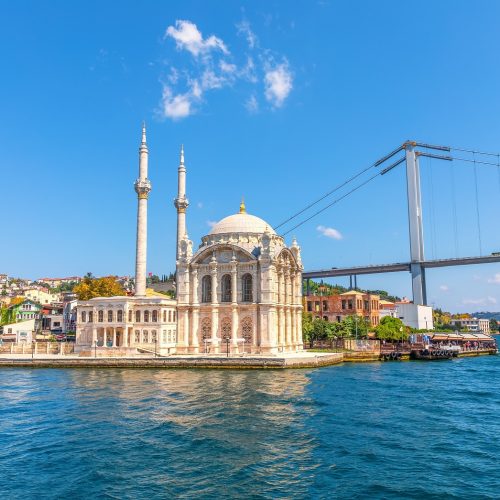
241,223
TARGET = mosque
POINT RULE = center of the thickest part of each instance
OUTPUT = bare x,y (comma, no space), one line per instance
239,292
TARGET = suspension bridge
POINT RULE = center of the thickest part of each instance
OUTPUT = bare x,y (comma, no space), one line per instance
408,153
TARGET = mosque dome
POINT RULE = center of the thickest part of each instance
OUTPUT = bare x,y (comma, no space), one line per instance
241,223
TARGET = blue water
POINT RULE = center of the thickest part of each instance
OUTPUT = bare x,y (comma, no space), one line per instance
393,430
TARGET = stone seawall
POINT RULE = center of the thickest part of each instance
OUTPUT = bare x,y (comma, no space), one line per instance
177,362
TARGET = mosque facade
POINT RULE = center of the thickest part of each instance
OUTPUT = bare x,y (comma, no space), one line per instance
239,292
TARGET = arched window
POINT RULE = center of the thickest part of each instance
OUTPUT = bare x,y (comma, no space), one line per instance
84,316
246,288
130,315
100,316
91,316
119,316
137,316
146,316
155,317
164,315
169,316
110,316
206,289
225,288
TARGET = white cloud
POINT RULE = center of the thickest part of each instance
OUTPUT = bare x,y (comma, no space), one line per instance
481,301
495,279
330,232
278,84
176,106
187,36
444,288
245,30
211,223
252,104
214,68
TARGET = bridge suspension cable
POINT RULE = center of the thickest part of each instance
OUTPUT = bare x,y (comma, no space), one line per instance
332,203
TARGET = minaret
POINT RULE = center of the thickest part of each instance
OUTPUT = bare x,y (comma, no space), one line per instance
142,188
181,202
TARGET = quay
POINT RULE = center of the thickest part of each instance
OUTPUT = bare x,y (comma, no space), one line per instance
299,360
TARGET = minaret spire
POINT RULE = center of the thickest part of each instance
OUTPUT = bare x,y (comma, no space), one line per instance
181,202
142,188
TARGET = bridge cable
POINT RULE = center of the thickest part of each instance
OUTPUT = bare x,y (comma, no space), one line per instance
331,204
477,208
464,150
325,196
454,209
432,209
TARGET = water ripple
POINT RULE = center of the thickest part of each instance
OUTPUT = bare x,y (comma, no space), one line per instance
392,430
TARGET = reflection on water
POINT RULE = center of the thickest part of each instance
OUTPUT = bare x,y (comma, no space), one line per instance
379,431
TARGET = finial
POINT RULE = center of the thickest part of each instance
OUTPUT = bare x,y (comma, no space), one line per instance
243,209
143,132
182,154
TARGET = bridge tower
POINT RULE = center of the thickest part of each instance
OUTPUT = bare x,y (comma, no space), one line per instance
415,225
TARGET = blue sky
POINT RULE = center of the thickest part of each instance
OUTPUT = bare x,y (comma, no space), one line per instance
276,101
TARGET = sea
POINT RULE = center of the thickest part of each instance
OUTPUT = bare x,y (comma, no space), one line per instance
371,430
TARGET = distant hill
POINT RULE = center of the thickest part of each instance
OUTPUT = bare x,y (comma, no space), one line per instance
487,315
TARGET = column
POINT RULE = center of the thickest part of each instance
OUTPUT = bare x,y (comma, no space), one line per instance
125,337
286,306
234,305
195,315
215,305
292,309
114,336
94,336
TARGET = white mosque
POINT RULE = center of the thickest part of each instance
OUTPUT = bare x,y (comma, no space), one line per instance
241,291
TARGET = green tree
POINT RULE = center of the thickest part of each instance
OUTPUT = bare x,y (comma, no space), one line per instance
91,287
391,328
356,326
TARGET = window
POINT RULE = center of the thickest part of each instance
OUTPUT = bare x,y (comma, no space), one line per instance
206,289
169,316
343,304
119,316
349,304
325,318
246,282
173,316
100,316
339,319
145,336
91,316
316,306
325,305
84,316
153,336
137,336
9,330
130,315
155,317
366,305
164,336
110,316
146,316
225,288
309,306
164,316
137,316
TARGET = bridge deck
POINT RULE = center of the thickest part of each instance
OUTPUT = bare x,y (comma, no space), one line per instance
398,267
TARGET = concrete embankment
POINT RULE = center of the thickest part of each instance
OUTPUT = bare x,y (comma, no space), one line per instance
218,362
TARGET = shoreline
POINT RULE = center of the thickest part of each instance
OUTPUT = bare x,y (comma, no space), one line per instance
303,360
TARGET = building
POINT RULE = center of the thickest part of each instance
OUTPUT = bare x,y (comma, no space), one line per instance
146,321
69,312
473,324
27,309
52,318
415,315
240,290
41,295
56,282
387,308
338,307
20,332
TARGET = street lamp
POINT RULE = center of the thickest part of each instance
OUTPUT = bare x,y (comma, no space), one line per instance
156,345
32,349
95,348
227,347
